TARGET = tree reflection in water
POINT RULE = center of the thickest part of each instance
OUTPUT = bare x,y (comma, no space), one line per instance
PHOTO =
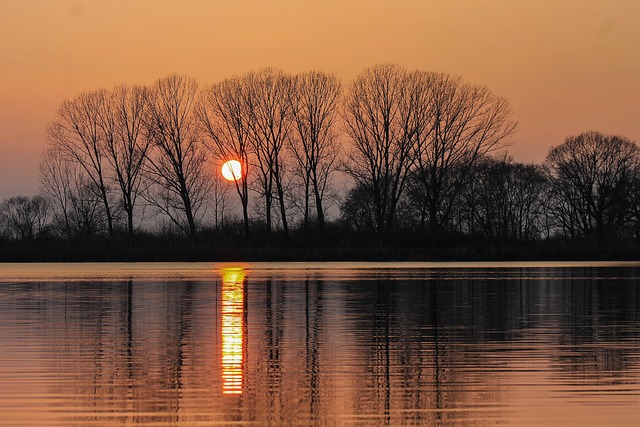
446,347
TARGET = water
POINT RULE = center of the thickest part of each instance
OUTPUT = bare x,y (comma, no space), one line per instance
320,344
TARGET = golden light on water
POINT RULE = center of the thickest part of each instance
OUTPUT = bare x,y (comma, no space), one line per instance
232,329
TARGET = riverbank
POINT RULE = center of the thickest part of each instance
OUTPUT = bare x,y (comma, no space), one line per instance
178,249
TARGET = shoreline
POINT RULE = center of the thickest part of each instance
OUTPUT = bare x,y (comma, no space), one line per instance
179,250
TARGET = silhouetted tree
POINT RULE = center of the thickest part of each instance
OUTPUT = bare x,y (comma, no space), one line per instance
379,111
219,201
56,176
76,132
315,98
76,205
270,122
25,217
122,122
634,204
465,122
357,210
591,177
176,166
504,199
223,112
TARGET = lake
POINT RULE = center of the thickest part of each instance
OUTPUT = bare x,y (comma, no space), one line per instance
320,344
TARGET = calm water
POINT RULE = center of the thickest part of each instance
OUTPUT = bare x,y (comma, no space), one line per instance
320,344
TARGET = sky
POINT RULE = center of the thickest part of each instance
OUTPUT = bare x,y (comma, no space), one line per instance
566,66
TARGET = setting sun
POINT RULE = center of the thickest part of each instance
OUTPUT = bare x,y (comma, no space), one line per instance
232,170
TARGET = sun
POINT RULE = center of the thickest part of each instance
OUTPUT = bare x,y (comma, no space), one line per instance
232,170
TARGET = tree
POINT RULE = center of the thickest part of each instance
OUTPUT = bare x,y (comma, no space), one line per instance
56,176
220,201
464,123
357,210
122,122
504,199
634,199
223,114
315,98
591,176
77,133
76,205
269,123
25,218
379,115
176,166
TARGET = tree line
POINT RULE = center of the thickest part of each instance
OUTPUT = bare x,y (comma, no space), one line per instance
393,151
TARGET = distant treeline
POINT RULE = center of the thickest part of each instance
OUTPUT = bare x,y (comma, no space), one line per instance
395,158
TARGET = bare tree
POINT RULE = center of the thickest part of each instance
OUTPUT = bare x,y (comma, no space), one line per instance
56,176
220,201
634,204
122,122
591,176
505,199
357,210
223,114
269,122
25,217
379,118
76,205
315,97
177,162
77,134
465,122
87,210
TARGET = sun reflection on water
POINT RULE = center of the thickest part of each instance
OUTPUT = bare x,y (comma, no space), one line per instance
232,329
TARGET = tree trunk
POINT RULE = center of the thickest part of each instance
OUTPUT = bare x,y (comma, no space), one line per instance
188,209
107,210
283,212
319,209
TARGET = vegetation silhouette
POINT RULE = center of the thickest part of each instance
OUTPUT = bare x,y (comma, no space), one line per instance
397,165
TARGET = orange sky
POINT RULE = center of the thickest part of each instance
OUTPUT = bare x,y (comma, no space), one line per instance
566,66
